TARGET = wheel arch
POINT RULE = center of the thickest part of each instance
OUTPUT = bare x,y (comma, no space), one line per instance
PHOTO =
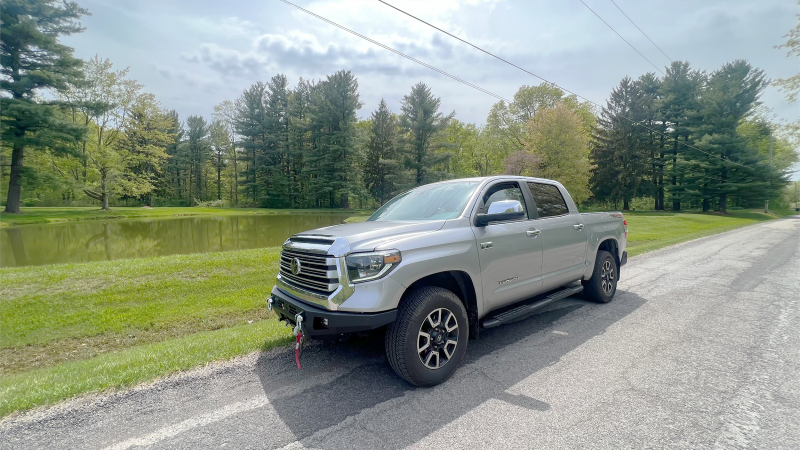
608,244
459,283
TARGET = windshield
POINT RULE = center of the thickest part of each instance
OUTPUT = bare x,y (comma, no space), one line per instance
432,202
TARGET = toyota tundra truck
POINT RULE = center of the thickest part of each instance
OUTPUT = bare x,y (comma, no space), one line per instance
440,262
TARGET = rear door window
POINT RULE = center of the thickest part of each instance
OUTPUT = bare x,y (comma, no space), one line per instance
549,201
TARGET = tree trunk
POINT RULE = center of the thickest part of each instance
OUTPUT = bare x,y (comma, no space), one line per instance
723,197
676,203
345,202
219,182
235,179
14,185
626,205
103,189
705,205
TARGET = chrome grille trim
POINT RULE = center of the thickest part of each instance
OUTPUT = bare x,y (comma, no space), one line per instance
314,271
322,279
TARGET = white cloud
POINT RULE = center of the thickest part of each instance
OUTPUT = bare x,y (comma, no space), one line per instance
227,27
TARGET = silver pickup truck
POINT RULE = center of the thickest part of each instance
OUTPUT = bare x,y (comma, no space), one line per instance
438,263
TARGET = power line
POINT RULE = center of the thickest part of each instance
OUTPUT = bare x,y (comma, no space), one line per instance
637,27
398,52
556,85
620,36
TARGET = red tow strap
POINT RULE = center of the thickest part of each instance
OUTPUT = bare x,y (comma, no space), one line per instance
297,350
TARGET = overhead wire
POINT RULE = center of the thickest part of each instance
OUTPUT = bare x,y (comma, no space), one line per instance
386,47
620,36
637,27
554,84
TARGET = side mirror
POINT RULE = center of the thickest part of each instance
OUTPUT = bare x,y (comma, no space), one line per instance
499,211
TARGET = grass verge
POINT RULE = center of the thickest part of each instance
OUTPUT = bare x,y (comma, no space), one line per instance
136,365
58,313
651,230
77,328
44,215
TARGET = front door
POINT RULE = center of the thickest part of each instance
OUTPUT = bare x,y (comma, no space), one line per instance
510,252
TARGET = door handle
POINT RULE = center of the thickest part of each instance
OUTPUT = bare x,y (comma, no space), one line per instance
578,226
533,233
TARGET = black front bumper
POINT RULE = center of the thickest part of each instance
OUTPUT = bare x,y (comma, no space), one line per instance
318,322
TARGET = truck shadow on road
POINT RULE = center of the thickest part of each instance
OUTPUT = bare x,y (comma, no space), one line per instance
340,380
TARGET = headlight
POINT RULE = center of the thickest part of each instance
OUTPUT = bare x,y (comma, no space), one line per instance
372,265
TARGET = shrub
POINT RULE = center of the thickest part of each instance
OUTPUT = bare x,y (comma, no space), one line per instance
211,204
30,201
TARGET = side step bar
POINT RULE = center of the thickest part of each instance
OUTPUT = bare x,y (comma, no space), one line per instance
530,305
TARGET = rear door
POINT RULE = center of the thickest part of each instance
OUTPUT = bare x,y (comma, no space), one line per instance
563,236
510,252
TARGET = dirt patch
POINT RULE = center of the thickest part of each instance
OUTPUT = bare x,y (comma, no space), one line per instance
31,357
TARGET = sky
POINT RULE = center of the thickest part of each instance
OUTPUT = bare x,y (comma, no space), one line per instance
194,54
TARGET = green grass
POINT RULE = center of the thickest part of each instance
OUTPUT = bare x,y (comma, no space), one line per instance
648,231
54,313
42,215
72,329
136,365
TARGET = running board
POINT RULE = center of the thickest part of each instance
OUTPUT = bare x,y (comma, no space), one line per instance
530,306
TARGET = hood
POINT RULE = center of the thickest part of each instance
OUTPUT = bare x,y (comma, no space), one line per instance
366,236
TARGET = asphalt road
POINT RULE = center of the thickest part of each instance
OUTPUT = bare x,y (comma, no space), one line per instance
700,349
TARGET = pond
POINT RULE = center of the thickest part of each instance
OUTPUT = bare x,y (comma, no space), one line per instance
72,242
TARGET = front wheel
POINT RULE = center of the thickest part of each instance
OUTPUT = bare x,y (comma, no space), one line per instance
427,341
603,284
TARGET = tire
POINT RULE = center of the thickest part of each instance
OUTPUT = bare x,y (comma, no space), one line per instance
431,311
603,284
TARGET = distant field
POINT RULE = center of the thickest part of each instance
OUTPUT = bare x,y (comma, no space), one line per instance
40,215
69,329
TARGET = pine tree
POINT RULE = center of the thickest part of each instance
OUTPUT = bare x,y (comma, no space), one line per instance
655,130
680,93
722,163
332,162
300,141
381,158
250,121
219,140
174,171
620,148
422,122
33,60
198,150
276,163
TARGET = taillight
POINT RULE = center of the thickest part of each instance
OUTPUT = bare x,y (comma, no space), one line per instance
625,223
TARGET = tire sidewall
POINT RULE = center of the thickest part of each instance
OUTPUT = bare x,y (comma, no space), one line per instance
605,256
421,374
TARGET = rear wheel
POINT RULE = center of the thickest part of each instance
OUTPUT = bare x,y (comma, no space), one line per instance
603,284
427,341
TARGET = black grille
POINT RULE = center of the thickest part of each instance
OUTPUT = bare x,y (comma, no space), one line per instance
317,272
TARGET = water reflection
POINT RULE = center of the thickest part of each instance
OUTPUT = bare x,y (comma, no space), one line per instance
136,238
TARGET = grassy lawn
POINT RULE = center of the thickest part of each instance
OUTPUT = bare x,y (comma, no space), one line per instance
651,230
70,329
34,215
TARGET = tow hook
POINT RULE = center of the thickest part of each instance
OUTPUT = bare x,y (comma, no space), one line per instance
298,346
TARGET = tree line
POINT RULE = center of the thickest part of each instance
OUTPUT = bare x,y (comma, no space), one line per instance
686,140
